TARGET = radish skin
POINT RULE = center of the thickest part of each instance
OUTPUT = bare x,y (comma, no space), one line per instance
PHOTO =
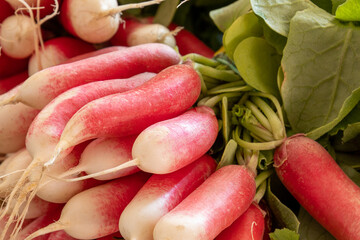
113,236
39,89
95,212
212,207
95,53
11,66
105,153
249,226
15,121
159,195
17,36
57,51
6,84
60,235
132,111
5,10
316,181
134,32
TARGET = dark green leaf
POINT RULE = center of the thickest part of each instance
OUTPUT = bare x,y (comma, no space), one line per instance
321,68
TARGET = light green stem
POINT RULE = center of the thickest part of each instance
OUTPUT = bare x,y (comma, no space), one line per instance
201,59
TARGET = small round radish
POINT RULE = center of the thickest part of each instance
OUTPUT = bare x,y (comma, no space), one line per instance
17,36
212,207
94,21
249,226
160,194
316,181
57,51
105,153
134,32
95,212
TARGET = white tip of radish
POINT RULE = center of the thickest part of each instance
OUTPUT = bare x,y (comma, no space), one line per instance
17,36
152,33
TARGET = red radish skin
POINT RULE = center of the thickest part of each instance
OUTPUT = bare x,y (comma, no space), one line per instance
46,6
105,153
9,83
3,222
39,89
159,195
5,10
11,66
316,181
57,51
95,212
212,207
189,43
40,223
113,236
131,112
95,53
249,226
133,32
60,235
17,36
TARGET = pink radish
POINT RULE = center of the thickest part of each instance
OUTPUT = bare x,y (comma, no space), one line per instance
311,175
156,149
9,83
14,124
94,21
134,32
212,207
57,51
95,53
39,223
105,153
59,191
95,212
132,111
17,36
60,235
249,226
39,89
11,66
159,195
45,131
45,7
5,10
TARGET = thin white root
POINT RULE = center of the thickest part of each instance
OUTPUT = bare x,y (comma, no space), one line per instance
134,162
56,226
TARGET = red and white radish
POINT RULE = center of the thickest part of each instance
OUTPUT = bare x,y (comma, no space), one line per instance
95,212
94,21
39,223
15,121
56,51
134,32
39,89
311,175
212,207
17,36
249,226
6,84
160,194
132,111
105,153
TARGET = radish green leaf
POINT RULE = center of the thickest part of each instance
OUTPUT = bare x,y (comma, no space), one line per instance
348,11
